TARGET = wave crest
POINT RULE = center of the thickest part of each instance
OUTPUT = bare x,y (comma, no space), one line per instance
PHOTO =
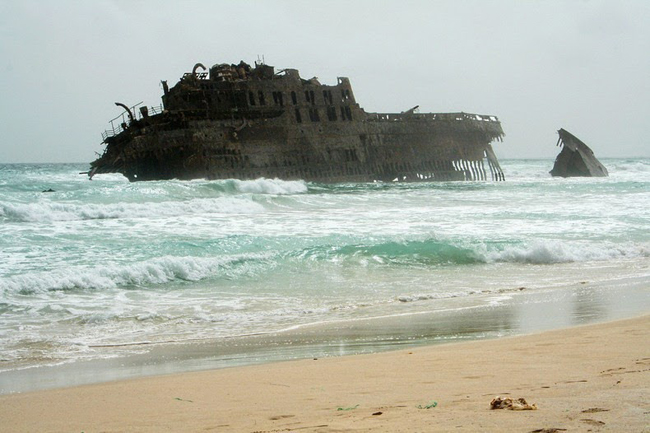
392,252
434,252
553,251
150,272
268,186
52,211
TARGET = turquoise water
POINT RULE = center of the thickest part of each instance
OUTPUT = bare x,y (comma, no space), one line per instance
108,263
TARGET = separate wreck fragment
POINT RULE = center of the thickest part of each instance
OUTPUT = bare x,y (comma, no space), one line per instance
511,404
238,121
576,158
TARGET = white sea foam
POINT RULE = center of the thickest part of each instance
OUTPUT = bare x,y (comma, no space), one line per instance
555,251
142,203
432,296
270,186
108,276
46,211
636,166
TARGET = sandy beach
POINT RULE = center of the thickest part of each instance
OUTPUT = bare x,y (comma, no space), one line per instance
585,378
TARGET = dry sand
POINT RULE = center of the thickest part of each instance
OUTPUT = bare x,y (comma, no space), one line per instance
589,378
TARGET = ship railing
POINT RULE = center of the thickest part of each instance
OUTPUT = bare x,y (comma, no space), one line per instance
396,117
117,123
153,110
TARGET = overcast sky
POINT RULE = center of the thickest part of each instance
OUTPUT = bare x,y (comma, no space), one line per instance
537,65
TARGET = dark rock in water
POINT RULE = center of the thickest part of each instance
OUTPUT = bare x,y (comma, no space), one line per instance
49,190
576,159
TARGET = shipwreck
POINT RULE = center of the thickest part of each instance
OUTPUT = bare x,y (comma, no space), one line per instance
576,158
246,122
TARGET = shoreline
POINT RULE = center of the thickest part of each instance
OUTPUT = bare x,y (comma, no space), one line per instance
521,313
581,378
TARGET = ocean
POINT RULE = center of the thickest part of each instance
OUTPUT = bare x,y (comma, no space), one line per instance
203,274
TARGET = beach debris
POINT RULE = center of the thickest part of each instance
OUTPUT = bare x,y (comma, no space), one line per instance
595,409
511,404
428,406
348,408
378,413
592,421
181,399
576,158
612,371
548,430
572,381
279,417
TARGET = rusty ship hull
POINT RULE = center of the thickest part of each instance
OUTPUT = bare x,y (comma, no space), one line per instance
576,159
246,123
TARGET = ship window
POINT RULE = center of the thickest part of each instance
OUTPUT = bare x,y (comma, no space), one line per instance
278,99
251,98
342,113
298,117
307,96
313,98
327,96
313,115
260,94
348,113
294,99
331,113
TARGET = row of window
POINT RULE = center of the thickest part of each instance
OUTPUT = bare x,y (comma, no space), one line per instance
259,98
314,116
255,98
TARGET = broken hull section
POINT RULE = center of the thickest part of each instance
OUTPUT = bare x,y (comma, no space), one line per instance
576,159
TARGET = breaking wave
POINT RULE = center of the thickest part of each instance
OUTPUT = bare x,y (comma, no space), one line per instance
433,252
427,253
52,211
408,252
261,186
554,251
156,200
141,274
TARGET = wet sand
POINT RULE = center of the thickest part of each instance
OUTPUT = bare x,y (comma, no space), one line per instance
584,378
416,324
